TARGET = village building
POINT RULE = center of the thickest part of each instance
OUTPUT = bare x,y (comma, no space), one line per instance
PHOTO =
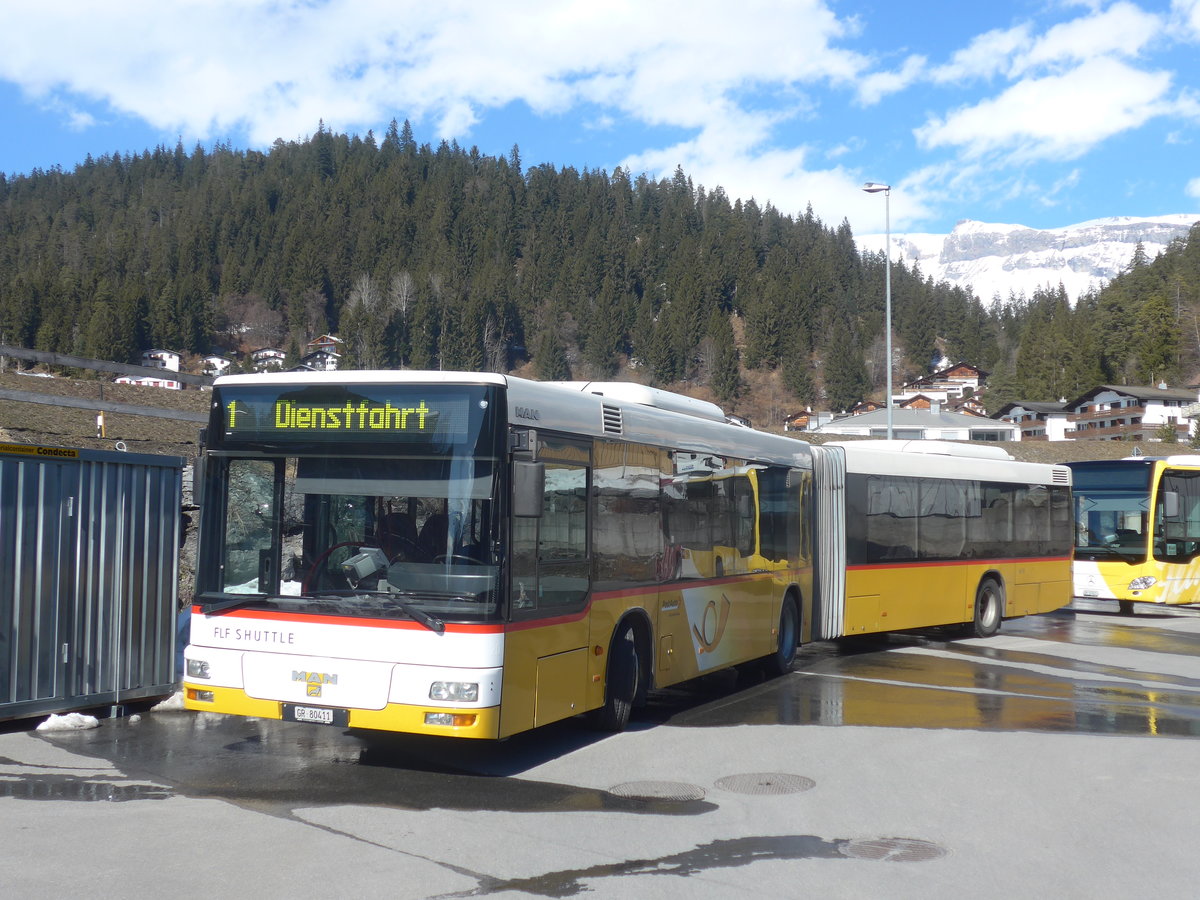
922,425
215,365
953,382
319,361
1037,421
148,381
326,342
162,359
267,358
1122,412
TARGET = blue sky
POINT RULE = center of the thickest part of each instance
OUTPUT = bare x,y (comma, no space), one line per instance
1042,114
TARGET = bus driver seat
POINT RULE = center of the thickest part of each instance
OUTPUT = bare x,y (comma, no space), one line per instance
398,537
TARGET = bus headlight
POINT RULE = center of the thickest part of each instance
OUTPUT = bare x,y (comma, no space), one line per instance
1140,584
197,668
457,691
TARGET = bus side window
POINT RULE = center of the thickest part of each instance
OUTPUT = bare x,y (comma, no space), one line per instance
551,568
1177,516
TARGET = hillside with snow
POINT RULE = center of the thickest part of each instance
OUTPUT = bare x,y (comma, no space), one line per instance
1011,260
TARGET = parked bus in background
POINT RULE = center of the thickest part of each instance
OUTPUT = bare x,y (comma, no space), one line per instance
476,555
1137,530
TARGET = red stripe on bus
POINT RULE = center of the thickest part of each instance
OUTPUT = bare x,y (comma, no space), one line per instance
501,627
318,619
920,564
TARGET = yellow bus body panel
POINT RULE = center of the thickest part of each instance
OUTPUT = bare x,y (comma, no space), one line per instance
900,597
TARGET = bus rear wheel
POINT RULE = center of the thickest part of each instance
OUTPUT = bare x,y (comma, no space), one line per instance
781,661
621,684
989,608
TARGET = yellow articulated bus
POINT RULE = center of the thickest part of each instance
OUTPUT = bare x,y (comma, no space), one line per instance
929,533
1137,534
476,555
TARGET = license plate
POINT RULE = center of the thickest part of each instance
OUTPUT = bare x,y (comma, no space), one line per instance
1091,592
320,715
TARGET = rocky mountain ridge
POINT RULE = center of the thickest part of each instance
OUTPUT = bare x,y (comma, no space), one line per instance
1003,261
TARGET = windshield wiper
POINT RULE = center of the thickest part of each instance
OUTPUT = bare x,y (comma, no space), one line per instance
433,623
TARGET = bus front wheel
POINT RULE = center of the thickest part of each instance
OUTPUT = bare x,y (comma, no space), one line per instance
621,683
989,608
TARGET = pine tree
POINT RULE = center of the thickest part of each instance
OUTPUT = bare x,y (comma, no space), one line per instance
845,373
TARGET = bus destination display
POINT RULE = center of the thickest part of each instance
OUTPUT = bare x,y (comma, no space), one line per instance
387,413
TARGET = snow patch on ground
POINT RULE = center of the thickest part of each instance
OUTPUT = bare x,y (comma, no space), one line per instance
69,722
175,701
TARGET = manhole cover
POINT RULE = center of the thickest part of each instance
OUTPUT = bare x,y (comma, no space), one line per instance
765,783
658,790
893,850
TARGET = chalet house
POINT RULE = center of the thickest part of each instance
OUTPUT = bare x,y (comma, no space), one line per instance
864,406
319,361
162,359
1121,412
326,342
953,382
807,420
1037,421
267,358
968,406
923,425
215,365
147,381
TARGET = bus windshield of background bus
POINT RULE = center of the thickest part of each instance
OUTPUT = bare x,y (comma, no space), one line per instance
1112,505
365,536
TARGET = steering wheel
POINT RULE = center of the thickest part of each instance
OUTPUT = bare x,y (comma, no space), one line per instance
451,557
324,555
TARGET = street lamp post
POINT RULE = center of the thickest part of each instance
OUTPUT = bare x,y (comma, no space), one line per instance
872,187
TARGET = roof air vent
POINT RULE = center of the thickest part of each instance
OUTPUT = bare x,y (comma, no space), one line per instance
612,419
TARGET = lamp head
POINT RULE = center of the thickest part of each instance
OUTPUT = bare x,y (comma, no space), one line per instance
874,187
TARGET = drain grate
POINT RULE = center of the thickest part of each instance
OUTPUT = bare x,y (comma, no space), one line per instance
658,790
765,783
893,850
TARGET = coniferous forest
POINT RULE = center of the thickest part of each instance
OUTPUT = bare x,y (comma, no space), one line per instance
440,257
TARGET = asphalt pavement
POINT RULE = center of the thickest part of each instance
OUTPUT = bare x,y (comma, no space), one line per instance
1055,760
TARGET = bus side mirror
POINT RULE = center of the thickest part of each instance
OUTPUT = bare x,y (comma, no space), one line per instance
1170,502
529,488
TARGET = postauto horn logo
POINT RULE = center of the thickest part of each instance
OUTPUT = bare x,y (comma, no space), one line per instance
314,681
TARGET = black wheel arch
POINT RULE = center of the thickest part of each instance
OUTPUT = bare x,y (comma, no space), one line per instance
639,620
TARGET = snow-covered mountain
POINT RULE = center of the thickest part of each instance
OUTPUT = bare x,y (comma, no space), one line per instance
1002,260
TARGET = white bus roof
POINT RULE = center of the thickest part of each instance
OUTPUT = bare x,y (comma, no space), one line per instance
614,410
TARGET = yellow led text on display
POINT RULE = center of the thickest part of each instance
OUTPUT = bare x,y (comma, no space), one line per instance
347,417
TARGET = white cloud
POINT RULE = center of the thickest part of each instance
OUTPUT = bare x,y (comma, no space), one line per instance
1193,189
985,56
1187,14
1122,30
1055,117
274,68
874,87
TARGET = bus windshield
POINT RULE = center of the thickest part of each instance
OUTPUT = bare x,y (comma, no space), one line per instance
301,523
1112,505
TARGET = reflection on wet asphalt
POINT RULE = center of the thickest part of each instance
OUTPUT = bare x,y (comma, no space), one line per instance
1022,681
934,681
277,767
